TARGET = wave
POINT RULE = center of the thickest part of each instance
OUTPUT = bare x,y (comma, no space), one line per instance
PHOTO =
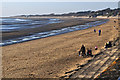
20,20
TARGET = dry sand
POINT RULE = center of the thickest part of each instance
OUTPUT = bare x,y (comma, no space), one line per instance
53,56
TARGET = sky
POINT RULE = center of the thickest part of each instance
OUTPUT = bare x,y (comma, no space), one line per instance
13,7
60,0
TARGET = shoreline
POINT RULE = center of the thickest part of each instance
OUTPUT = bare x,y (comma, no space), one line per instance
68,22
51,57
53,32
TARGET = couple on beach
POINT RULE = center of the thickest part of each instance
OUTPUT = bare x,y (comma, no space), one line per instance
98,31
83,53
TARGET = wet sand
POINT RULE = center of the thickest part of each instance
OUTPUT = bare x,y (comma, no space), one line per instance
53,56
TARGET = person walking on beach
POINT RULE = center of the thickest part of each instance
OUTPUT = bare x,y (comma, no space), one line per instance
82,50
99,32
114,21
94,30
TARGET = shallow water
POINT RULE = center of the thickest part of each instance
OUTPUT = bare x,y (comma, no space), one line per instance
52,33
12,24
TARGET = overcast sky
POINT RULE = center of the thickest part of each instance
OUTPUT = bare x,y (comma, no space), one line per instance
20,7
60,0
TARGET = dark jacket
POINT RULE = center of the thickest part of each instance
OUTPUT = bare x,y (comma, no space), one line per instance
82,49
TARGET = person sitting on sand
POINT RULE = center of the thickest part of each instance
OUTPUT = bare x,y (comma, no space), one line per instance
96,47
89,52
108,44
82,50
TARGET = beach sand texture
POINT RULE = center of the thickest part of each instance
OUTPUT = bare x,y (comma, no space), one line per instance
53,56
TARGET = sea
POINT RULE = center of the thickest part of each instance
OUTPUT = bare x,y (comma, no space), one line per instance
15,24
12,24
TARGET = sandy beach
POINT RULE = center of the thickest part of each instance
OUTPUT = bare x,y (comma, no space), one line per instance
51,57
